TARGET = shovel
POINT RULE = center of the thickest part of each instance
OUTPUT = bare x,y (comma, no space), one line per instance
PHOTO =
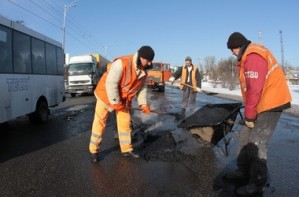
176,115
203,91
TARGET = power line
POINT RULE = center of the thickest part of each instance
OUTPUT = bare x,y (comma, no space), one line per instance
74,27
57,7
54,16
34,14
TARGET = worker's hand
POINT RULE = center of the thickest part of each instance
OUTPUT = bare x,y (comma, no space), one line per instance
118,107
171,79
249,124
145,109
198,89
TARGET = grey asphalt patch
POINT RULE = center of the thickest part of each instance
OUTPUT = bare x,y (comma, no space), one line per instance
163,148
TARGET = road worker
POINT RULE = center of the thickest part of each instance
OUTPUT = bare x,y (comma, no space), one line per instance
125,79
190,76
265,94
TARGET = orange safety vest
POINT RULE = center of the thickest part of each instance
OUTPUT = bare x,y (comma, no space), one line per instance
193,77
129,83
276,91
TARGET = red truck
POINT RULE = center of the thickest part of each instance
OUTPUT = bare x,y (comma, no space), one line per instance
158,75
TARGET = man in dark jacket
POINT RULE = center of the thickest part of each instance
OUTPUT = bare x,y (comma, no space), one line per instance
265,94
190,84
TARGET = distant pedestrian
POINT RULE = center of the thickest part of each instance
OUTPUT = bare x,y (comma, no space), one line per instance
190,76
265,94
125,79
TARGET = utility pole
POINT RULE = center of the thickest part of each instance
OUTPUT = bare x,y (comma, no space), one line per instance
66,7
282,52
198,63
260,37
106,46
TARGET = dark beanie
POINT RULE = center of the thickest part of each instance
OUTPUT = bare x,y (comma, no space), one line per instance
236,40
146,52
188,58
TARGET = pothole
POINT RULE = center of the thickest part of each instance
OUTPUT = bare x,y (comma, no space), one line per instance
163,148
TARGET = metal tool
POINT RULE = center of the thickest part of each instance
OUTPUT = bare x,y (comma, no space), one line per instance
176,115
203,91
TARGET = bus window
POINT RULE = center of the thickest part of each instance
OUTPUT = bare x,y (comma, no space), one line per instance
5,50
21,47
38,57
23,52
51,59
60,61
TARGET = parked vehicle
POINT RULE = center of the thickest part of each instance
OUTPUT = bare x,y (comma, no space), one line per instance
81,71
158,75
31,72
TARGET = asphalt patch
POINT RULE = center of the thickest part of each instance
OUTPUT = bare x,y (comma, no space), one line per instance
163,148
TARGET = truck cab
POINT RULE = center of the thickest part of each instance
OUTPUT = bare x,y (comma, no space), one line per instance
158,75
80,74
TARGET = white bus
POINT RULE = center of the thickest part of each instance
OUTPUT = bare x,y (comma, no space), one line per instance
31,73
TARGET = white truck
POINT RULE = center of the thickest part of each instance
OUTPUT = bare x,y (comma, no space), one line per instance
81,71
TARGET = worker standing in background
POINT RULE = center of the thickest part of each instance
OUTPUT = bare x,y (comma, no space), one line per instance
265,94
125,79
189,75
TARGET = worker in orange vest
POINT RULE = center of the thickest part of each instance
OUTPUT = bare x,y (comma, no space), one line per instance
124,79
190,76
265,95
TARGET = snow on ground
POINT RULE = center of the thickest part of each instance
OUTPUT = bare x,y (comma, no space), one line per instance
209,87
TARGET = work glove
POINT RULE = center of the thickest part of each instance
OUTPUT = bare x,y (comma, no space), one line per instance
198,89
118,107
171,79
145,109
249,124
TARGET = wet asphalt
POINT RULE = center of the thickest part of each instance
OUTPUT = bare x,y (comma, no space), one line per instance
53,159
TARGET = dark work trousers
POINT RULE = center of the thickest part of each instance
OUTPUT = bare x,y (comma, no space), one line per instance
252,148
189,96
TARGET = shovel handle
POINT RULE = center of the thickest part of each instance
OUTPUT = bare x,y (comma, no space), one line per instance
187,85
203,91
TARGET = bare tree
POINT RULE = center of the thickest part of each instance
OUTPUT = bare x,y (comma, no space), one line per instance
211,68
227,72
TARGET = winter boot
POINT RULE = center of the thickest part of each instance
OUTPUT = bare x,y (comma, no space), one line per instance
249,189
131,154
182,114
236,175
191,110
94,158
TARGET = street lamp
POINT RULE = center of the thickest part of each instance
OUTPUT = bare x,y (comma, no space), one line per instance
66,7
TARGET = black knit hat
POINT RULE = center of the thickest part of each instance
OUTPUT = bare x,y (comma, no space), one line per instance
188,58
236,40
146,52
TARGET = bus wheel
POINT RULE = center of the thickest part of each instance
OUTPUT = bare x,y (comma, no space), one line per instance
73,94
41,114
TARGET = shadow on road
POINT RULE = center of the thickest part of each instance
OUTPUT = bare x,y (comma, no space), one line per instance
20,136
